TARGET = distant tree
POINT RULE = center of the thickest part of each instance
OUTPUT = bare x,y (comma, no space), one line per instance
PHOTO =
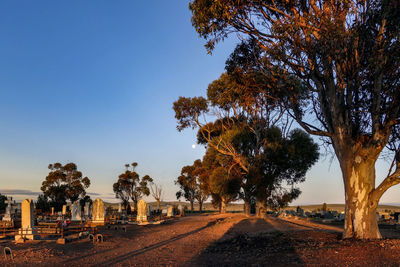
3,203
64,183
130,184
337,64
280,199
157,193
188,185
193,183
42,203
324,207
225,186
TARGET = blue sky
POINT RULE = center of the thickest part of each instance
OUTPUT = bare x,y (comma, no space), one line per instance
93,82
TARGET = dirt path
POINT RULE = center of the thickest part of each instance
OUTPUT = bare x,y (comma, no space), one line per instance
212,240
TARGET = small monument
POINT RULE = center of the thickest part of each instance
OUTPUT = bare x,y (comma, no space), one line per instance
64,210
98,211
52,210
142,211
170,211
7,216
119,208
27,230
86,210
76,212
181,210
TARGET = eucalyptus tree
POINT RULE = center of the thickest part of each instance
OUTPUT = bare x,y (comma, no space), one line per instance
339,62
64,182
130,185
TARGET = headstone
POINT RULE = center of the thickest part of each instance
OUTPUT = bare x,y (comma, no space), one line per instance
342,216
76,212
170,211
119,208
98,211
164,211
181,210
52,210
86,210
27,221
64,210
142,211
149,210
7,216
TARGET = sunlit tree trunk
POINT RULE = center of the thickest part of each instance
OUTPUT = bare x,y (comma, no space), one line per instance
246,207
223,205
361,197
260,209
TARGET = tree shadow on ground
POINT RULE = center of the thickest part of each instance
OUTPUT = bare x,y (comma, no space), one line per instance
126,256
252,242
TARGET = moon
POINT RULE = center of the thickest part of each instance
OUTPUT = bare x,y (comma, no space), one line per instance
193,146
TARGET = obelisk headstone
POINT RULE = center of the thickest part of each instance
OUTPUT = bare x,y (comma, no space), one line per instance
76,212
27,221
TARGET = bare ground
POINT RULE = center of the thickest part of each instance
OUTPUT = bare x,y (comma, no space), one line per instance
215,240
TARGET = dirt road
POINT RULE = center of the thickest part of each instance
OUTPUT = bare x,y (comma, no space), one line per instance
213,240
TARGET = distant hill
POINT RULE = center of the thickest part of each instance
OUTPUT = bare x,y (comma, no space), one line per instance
340,207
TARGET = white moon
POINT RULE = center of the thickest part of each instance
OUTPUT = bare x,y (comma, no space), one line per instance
193,146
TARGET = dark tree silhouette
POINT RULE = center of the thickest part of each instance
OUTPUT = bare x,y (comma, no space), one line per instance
64,183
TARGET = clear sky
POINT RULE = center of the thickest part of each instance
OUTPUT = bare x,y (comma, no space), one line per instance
93,82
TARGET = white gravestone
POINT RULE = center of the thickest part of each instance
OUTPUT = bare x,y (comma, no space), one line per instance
170,211
7,216
98,211
76,212
142,211
181,210
27,229
86,210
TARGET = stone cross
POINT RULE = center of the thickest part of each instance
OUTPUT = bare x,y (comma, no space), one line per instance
98,211
142,211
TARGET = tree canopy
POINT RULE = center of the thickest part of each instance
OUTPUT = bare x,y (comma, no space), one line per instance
337,64
64,182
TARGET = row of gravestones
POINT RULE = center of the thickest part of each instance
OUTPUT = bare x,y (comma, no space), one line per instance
143,211
27,230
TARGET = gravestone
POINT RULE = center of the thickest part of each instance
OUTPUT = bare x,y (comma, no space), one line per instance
164,211
181,210
119,208
52,210
76,212
142,211
27,229
64,210
98,211
170,211
7,216
86,210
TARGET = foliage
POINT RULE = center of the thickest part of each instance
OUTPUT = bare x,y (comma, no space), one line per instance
337,64
64,182
43,203
3,203
193,183
84,200
129,185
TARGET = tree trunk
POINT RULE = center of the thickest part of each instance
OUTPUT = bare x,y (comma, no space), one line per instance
223,206
158,204
192,205
200,206
260,209
247,207
361,201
